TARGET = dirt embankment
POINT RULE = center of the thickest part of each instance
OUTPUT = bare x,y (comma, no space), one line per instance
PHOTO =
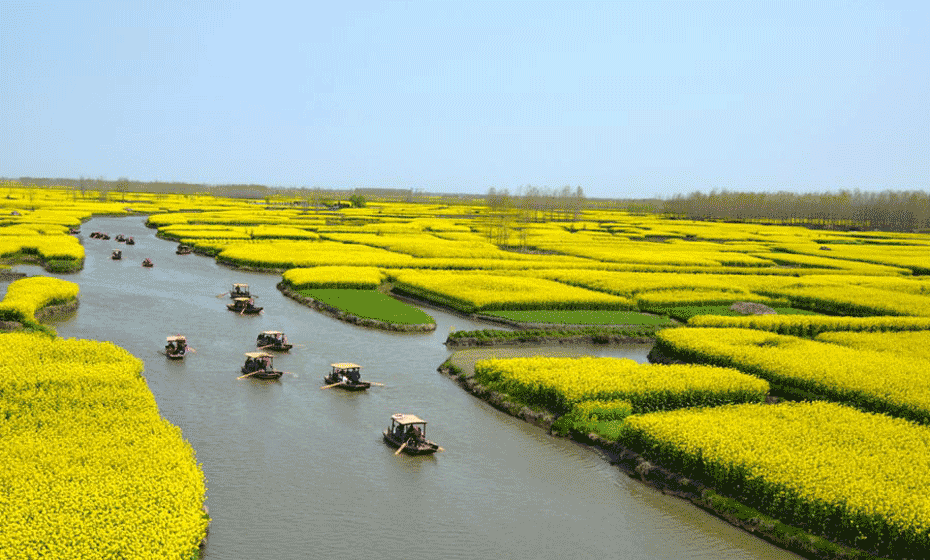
43,314
353,319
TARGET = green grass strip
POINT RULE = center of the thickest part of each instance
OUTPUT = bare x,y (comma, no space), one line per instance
580,317
370,304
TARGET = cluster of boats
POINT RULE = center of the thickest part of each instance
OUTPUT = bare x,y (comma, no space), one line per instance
242,301
407,432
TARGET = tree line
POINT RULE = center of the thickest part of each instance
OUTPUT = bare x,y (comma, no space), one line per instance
904,211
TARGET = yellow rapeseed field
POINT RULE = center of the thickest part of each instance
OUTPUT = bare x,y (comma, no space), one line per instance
558,383
93,470
836,471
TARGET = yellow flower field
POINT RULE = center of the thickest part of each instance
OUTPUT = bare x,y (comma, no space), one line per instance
836,471
872,380
27,295
559,383
98,472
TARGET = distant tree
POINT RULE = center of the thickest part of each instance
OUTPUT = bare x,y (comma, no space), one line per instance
357,201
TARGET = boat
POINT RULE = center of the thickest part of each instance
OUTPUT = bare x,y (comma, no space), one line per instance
176,348
239,290
130,241
243,305
408,434
259,364
116,255
74,231
273,340
120,238
148,263
346,376
183,250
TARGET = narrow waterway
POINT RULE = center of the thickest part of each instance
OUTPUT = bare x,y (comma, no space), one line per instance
294,471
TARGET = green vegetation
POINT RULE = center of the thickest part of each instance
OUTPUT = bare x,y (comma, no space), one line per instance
596,334
370,304
686,312
580,317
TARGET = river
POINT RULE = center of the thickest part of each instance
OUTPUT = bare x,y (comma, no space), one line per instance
294,471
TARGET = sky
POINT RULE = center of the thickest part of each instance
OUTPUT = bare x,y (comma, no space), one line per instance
624,99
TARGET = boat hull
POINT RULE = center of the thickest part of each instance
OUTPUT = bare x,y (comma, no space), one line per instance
273,374
360,386
423,448
247,310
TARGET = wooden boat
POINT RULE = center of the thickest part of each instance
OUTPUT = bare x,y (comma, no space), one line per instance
183,250
243,305
346,376
74,231
408,434
273,340
130,241
120,238
148,263
176,348
259,364
239,290
116,255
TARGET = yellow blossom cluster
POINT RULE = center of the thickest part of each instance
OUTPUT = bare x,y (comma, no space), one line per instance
473,291
836,471
909,344
811,325
93,470
558,383
345,277
868,379
27,295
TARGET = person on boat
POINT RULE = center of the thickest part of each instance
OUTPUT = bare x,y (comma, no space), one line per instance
238,291
170,347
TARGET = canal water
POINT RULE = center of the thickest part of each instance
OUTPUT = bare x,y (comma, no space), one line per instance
294,471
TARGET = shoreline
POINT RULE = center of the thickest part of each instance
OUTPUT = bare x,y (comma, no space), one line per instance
654,475
43,314
344,316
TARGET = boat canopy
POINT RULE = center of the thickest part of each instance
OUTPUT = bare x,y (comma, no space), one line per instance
258,355
406,419
241,286
242,299
272,333
177,338
345,365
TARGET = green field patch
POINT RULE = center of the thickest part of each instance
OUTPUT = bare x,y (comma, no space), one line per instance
686,312
580,317
370,304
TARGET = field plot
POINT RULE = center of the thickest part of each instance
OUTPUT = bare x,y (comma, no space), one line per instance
832,470
26,296
471,292
99,473
871,380
558,384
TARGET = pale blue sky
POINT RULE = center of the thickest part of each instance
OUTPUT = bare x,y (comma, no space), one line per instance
625,99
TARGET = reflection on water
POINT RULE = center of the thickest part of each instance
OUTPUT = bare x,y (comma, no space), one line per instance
298,472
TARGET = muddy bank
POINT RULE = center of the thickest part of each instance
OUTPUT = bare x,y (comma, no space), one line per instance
667,481
350,318
545,339
44,314
10,275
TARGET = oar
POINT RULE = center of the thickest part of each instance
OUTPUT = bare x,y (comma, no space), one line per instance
249,374
223,294
331,385
401,448
373,383
440,448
